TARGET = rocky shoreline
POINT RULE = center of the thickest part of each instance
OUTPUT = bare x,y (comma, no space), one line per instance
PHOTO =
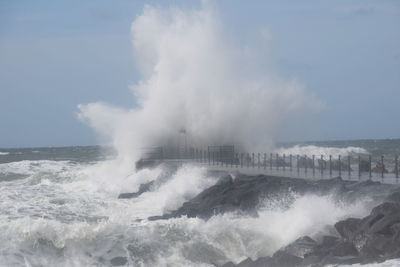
374,238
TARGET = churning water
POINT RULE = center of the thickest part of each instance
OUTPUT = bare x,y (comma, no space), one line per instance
60,207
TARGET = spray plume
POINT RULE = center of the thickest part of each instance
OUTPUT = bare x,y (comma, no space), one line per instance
193,77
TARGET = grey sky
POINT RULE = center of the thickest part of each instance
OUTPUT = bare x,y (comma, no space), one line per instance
55,55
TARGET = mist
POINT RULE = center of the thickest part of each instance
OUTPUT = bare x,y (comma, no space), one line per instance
193,76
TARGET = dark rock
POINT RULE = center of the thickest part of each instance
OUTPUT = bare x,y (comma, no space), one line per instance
376,236
118,261
225,180
284,259
300,247
229,264
143,164
260,262
142,188
344,249
348,228
394,197
244,194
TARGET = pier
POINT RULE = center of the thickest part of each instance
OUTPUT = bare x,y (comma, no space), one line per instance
360,167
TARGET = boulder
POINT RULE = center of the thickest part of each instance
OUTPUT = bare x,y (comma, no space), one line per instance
142,188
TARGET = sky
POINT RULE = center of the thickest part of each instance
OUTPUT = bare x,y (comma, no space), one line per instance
55,55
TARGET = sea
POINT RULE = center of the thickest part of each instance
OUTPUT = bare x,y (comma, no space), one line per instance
59,206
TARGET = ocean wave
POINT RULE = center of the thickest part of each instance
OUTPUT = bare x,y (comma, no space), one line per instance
30,167
176,242
318,151
4,153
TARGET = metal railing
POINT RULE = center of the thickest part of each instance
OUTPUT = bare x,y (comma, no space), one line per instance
353,166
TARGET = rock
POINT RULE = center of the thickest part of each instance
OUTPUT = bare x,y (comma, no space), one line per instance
394,197
376,236
229,264
143,164
118,261
225,180
343,249
300,247
284,259
348,228
260,262
244,194
142,188
373,238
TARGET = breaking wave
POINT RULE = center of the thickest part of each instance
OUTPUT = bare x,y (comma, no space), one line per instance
319,150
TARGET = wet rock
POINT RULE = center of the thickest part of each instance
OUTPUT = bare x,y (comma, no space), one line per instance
142,188
143,164
348,228
300,247
284,259
118,261
394,197
374,238
244,193
343,249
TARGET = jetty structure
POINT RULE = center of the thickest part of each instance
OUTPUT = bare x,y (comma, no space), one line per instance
226,158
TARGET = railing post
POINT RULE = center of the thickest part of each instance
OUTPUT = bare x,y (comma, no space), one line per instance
313,165
265,161
284,162
305,159
277,163
252,159
322,165
247,159
370,166
348,163
213,157
396,166
340,167
270,161
290,160
383,169
330,165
